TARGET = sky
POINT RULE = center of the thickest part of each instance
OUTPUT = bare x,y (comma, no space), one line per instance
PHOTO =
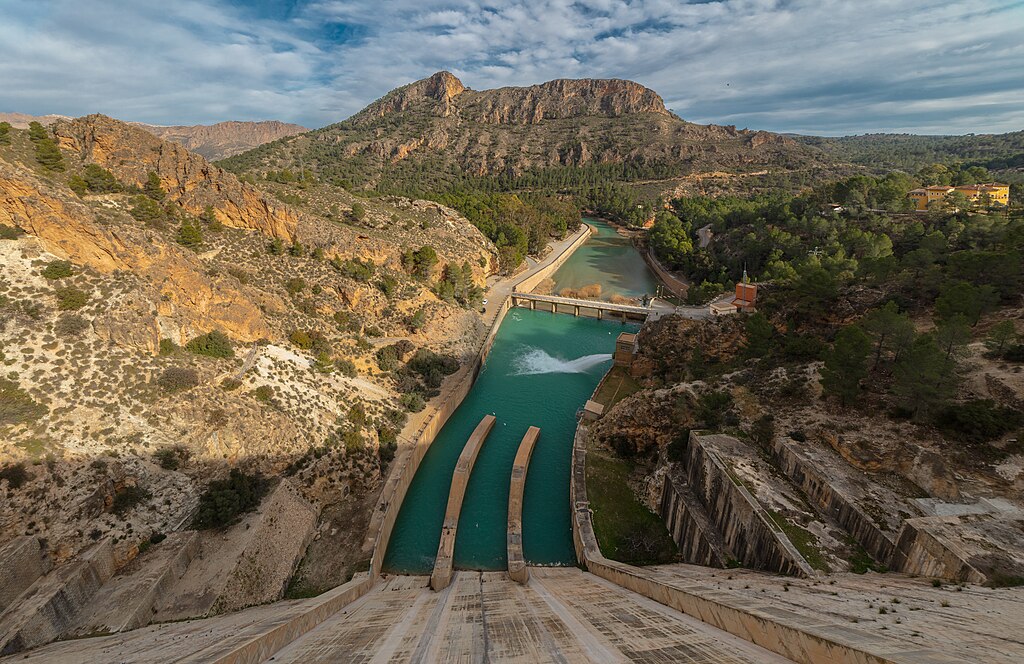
825,67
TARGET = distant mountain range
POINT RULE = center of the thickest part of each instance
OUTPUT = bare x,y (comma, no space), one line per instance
215,141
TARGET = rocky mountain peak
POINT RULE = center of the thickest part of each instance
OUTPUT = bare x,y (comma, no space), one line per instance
443,86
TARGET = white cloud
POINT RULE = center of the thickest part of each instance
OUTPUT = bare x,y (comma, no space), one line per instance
822,66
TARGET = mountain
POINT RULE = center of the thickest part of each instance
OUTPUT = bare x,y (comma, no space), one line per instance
225,139
428,133
215,141
996,152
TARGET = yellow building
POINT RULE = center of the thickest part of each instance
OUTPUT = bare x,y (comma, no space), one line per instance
998,194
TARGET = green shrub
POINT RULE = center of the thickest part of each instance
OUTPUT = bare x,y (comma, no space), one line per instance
412,402
168,458
148,211
276,247
5,133
979,420
49,155
346,368
224,501
58,270
77,185
17,406
189,235
264,393
168,347
99,180
10,232
230,384
426,363
15,474
212,344
129,497
295,285
69,299
70,325
387,358
177,379
358,211
355,269
301,339
152,188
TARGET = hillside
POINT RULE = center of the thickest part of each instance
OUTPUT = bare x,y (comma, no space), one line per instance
224,139
215,141
162,321
426,136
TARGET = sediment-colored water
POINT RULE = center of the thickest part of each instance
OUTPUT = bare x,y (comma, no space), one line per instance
607,259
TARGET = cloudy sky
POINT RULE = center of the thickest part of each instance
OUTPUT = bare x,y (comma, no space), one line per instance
811,66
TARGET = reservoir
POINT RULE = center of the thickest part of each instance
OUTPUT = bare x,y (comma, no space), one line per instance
541,369
607,259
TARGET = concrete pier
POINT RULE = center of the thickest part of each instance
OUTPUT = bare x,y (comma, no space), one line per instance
442,574
517,570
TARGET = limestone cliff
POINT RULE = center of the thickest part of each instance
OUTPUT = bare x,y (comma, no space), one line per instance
438,125
131,153
224,139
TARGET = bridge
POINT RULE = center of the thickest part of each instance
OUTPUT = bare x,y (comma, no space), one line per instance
574,305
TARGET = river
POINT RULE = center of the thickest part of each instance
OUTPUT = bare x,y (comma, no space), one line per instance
540,371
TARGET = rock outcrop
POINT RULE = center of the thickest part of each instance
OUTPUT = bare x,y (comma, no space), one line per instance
131,153
224,139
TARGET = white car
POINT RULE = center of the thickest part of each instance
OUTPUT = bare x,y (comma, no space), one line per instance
485,302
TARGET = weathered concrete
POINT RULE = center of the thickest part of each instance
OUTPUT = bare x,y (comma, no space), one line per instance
796,637
834,497
22,561
625,311
748,533
517,569
443,564
967,548
690,527
127,600
46,610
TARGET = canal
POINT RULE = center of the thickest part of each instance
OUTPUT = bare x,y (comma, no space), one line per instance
540,371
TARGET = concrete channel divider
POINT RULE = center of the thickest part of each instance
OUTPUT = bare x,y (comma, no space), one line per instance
517,569
443,564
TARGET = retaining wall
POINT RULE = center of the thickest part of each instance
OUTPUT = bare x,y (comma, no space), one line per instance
22,561
823,493
688,525
758,622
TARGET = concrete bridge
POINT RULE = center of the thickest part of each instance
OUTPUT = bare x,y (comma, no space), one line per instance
558,304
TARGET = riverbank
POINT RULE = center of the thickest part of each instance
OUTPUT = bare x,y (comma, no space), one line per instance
422,428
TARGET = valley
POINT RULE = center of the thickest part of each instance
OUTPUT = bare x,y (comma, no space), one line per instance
241,400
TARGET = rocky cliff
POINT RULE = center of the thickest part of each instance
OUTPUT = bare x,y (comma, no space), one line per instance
224,139
438,125
131,153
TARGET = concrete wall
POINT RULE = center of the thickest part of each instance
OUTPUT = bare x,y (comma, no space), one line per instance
409,457
445,560
748,533
921,550
783,633
22,561
689,527
822,493
517,569
48,609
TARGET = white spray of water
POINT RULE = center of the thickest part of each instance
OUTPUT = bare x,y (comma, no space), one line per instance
536,361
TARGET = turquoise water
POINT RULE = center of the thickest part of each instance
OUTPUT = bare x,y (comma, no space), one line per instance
608,259
542,368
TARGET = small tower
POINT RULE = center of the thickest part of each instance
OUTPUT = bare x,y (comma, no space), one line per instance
746,293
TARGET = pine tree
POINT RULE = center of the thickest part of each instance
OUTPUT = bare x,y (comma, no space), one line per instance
925,377
153,188
893,331
189,235
5,133
846,364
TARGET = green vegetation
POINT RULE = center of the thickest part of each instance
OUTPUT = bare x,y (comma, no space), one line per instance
148,211
16,406
456,285
420,262
5,133
212,344
626,530
128,498
58,270
70,326
804,541
354,268
178,379
47,153
152,188
979,420
69,299
15,475
190,235
225,501
846,364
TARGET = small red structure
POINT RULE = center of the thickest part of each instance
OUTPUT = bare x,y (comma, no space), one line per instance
746,294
